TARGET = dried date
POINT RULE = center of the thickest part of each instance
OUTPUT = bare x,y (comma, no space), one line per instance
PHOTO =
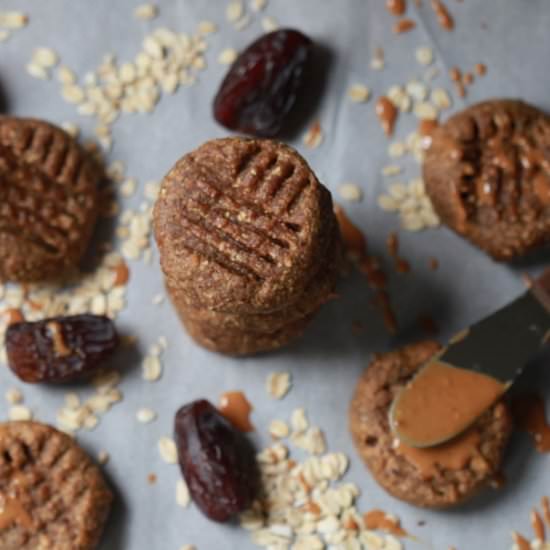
60,349
262,85
216,460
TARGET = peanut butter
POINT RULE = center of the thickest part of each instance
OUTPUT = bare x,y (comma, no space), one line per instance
453,455
442,401
396,7
378,520
387,114
236,408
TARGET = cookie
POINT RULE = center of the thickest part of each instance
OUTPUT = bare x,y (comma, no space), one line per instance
51,494
319,291
48,200
393,469
487,173
241,225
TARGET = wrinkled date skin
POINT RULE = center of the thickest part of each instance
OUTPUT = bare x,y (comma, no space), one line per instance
262,85
216,460
60,349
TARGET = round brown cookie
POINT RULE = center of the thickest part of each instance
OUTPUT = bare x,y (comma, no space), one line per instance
238,342
374,440
318,292
51,494
241,225
487,173
48,200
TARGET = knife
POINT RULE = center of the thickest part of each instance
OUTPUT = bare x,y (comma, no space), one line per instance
458,385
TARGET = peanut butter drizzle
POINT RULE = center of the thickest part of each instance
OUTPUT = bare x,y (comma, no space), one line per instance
441,401
396,7
538,525
59,345
404,25
521,541
445,19
545,504
14,315
387,114
480,69
530,415
236,408
392,243
122,274
356,247
12,511
378,520
453,455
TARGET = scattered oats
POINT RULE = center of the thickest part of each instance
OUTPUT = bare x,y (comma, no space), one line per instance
425,110
14,396
417,90
400,98
228,56
424,55
396,149
103,457
72,93
392,543
146,415
45,57
146,12
243,22
278,384
90,422
269,24
188,547
19,412
128,188
13,19
182,494
158,299
350,192
314,136
151,190
387,203
234,11
278,429
359,93
298,420
151,368
391,170
441,98
152,47
72,401
37,71
251,520
258,5
71,128
168,451
4,35
207,27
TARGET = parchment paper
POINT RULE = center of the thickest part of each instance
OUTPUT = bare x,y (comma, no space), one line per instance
515,47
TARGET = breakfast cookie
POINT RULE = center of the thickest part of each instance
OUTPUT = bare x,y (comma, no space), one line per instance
51,494
48,200
438,477
241,225
487,173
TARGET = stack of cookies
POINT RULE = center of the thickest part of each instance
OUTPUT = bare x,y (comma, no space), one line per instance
248,243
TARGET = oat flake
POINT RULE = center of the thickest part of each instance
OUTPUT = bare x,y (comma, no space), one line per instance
278,384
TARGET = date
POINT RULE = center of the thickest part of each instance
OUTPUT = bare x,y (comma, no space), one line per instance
60,349
262,85
216,460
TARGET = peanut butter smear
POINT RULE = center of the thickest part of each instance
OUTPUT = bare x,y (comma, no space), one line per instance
441,402
387,114
236,408
378,520
453,455
59,345
12,511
